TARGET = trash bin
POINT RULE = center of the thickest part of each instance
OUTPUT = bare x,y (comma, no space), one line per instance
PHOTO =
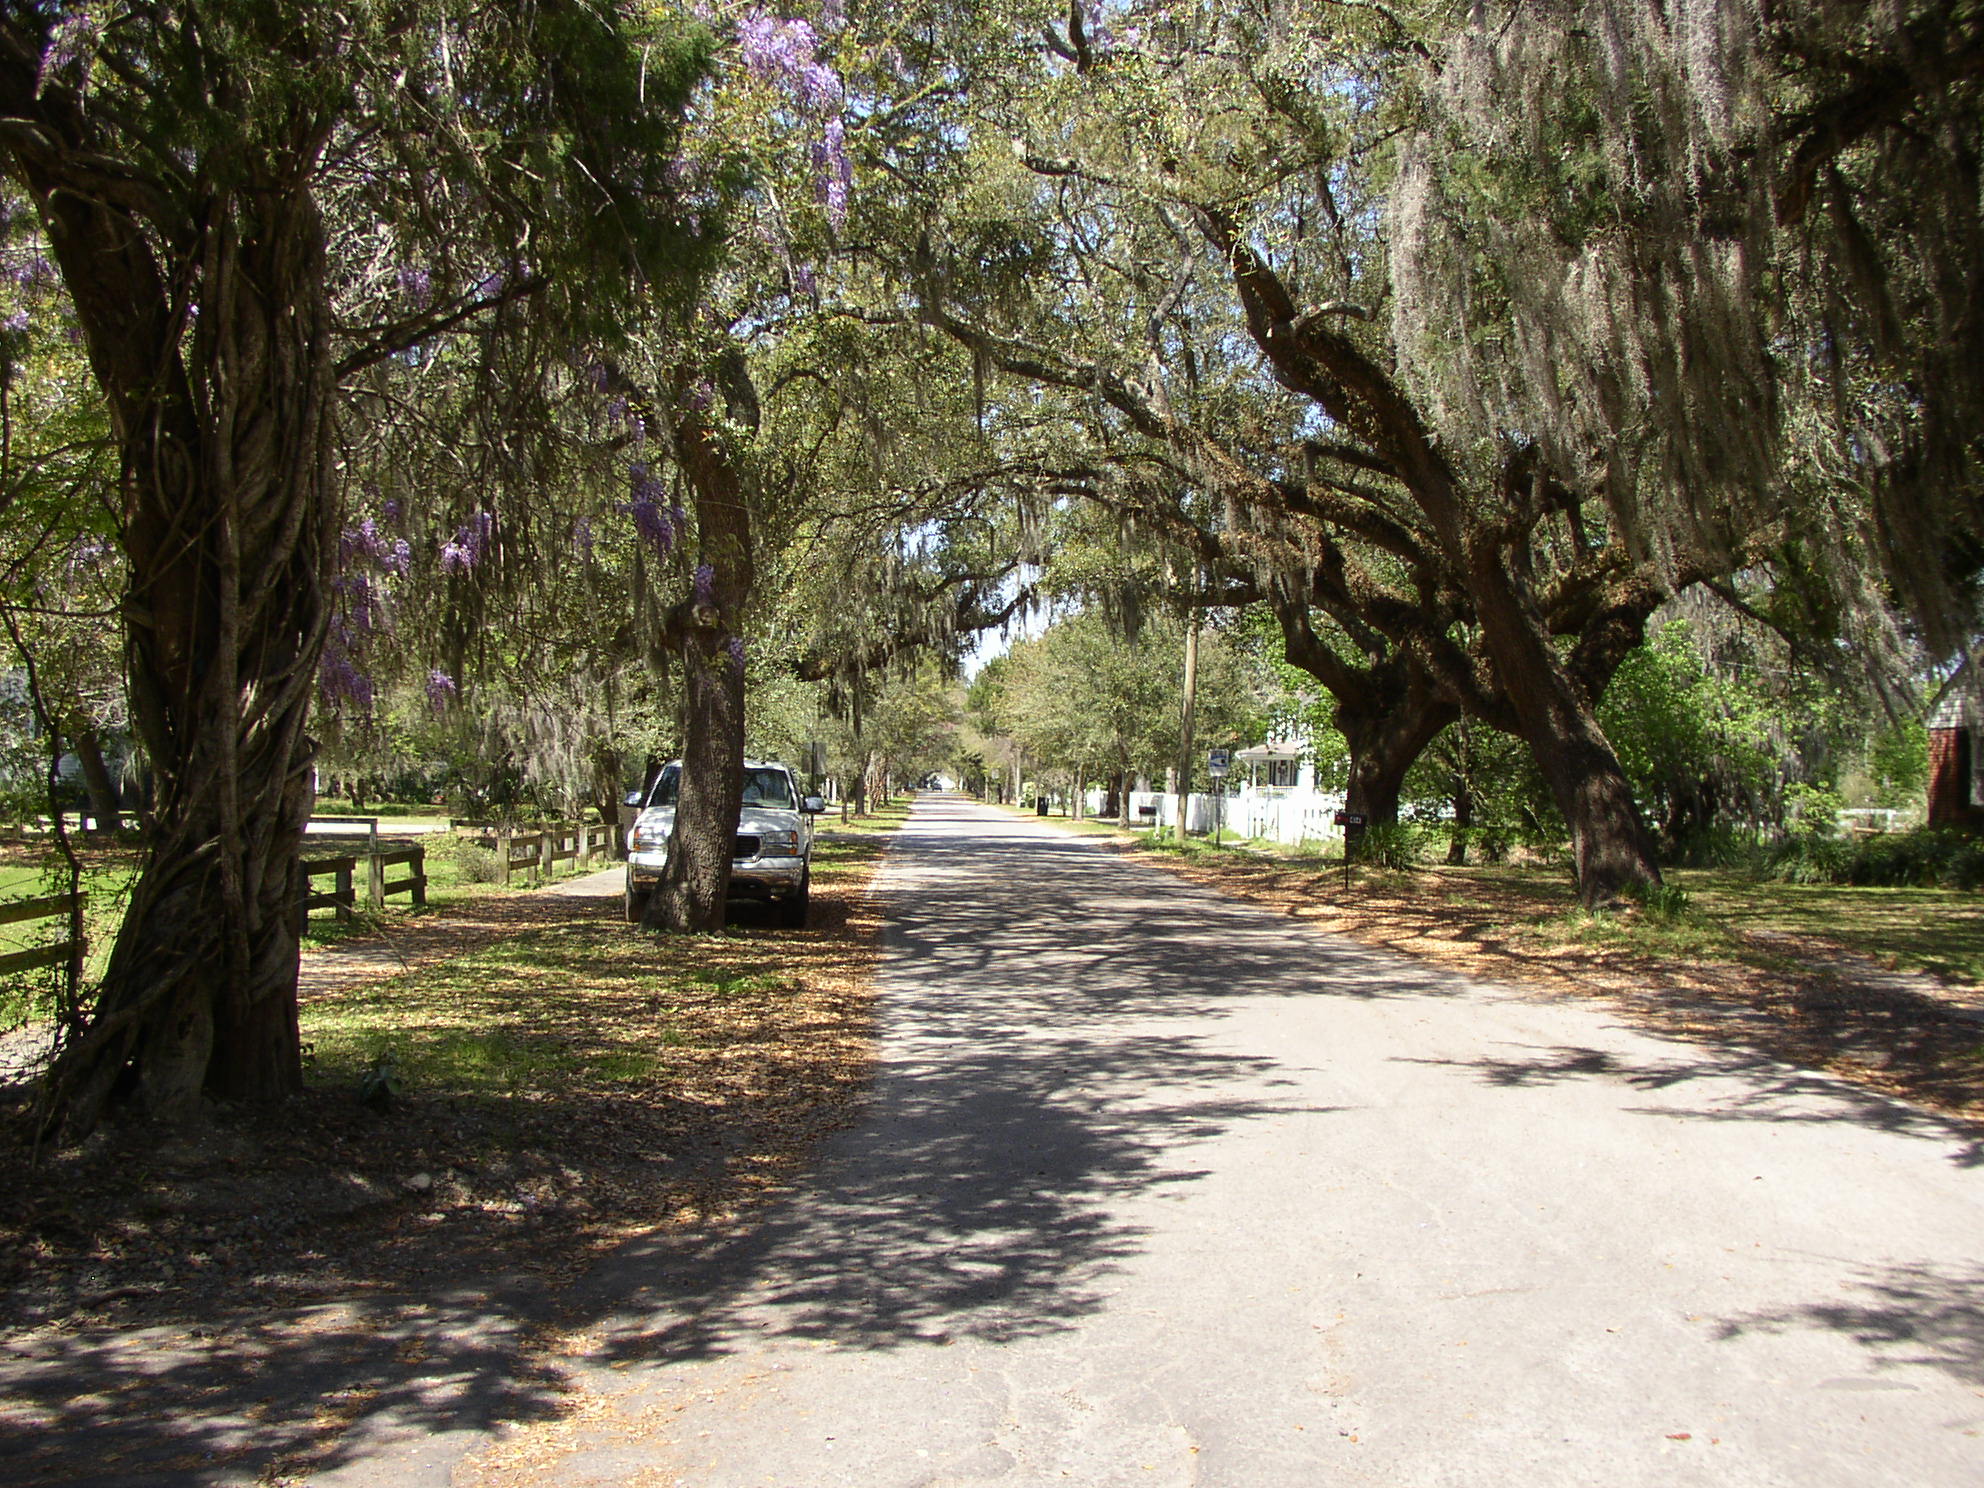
1040,805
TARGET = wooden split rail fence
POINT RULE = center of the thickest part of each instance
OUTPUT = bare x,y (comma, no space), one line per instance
67,952
538,851
343,871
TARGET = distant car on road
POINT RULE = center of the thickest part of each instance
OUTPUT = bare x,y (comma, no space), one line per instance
773,859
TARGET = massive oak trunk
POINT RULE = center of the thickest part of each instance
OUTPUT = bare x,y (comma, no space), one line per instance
1384,743
224,430
696,882
1388,710
1610,846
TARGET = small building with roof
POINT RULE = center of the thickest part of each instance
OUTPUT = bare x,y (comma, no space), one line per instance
1956,728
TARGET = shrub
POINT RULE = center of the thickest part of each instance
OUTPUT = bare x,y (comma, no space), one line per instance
1664,902
472,862
1396,845
1928,857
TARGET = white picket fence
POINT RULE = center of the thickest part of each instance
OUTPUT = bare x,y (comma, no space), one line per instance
1289,816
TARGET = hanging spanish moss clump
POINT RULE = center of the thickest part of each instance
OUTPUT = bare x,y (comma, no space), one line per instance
1581,259
1723,264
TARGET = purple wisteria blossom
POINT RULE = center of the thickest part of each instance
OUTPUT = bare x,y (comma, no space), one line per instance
645,494
705,584
582,538
818,86
69,42
358,606
785,53
735,646
440,688
394,555
369,560
16,323
339,680
833,172
470,542
652,525
416,284
33,271
775,50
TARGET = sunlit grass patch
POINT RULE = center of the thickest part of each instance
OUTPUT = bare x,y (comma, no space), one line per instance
1928,929
557,1011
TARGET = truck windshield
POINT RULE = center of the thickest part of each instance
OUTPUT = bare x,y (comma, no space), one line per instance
761,788
768,788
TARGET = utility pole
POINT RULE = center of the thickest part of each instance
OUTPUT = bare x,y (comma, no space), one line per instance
1185,721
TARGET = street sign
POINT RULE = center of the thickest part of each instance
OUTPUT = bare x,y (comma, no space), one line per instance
1217,762
1350,818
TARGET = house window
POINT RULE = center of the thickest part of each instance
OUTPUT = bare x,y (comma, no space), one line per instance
1281,774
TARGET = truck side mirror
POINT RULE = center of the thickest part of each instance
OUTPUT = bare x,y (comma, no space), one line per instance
813,806
633,798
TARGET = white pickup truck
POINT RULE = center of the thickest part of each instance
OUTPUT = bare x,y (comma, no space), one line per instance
772,862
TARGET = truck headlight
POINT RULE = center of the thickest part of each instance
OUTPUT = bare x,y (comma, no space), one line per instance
779,845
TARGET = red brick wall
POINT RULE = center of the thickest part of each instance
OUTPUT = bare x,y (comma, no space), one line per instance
1949,789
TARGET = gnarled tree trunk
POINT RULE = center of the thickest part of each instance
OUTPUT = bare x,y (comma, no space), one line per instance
1610,845
1388,710
225,433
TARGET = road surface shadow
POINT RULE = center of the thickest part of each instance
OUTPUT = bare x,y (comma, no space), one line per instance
1914,1314
1048,1074
1753,1087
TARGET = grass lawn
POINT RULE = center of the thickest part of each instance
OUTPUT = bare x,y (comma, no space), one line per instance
1913,929
1935,930
24,874
526,1014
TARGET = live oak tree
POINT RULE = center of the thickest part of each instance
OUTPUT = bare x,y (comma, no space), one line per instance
248,203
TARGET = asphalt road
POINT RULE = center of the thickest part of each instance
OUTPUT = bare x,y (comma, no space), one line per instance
1162,1189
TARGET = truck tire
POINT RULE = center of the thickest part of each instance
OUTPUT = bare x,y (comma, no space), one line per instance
792,911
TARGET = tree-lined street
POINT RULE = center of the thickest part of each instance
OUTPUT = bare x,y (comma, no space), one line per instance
1543,439
1154,1191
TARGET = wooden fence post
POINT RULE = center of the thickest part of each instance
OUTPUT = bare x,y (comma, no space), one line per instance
547,844
346,898
503,852
375,879
419,866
